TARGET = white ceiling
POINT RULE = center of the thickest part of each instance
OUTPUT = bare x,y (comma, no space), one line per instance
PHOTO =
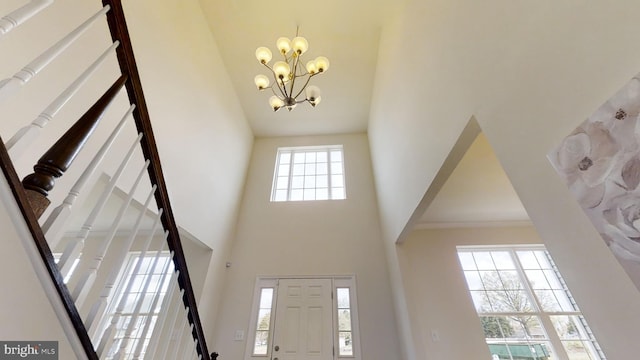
346,32
477,193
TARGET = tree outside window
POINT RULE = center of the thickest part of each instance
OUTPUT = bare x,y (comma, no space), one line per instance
521,299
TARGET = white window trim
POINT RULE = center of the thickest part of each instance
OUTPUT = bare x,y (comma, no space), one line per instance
295,149
338,281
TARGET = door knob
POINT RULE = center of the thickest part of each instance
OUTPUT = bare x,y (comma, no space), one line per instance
276,349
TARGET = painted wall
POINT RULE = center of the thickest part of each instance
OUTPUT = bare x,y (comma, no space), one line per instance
529,72
310,238
201,132
437,287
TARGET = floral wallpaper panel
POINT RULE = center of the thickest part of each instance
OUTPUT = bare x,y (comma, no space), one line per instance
600,163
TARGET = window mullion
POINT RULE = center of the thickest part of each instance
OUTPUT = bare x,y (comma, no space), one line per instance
290,180
547,325
330,192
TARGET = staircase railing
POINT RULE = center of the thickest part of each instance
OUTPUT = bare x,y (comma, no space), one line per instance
117,286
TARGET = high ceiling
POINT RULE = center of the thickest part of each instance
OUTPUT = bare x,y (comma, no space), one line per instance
346,32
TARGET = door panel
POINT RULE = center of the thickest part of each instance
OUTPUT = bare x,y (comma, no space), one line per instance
303,327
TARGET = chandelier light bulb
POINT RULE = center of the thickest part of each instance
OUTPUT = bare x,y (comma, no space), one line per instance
284,45
322,64
311,67
313,93
276,103
263,55
300,45
262,82
282,70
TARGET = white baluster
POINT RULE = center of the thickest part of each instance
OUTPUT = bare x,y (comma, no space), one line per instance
11,85
74,248
54,226
180,334
173,317
109,334
190,345
194,353
21,141
19,16
162,319
186,337
81,290
99,307
192,350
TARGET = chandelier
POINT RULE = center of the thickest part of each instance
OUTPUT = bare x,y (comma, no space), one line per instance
289,74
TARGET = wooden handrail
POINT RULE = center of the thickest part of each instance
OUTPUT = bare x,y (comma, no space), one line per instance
56,161
126,60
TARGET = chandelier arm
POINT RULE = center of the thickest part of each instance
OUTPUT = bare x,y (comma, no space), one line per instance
283,88
305,85
279,89
268,67
295,70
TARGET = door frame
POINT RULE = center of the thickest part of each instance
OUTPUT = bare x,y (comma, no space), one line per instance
271,281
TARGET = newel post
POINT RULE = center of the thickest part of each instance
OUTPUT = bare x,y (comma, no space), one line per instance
56,161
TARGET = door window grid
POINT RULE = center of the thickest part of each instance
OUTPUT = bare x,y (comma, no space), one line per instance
263,323
345,335
521,298
309,173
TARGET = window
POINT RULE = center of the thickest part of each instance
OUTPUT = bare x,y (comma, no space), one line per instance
57,257
309,173
345,335
263,323
525,308
144,279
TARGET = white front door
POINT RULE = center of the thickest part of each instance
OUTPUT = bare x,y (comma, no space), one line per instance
303,328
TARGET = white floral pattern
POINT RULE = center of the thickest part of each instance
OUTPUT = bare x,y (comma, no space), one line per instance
600,163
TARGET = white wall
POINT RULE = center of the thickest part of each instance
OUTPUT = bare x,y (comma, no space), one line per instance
529,72
310,238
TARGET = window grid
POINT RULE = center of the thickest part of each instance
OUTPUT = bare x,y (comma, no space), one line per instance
263,323
309,173
521,298
159,283
345,332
